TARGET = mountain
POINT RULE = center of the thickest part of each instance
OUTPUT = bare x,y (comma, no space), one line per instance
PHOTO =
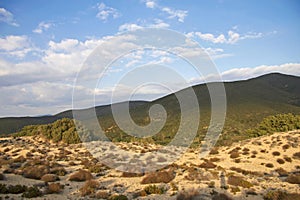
248,102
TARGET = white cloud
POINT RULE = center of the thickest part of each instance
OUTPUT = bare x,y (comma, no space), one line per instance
150,4
7,17
179,14
43,26
232,37
158,23
104,12
15,46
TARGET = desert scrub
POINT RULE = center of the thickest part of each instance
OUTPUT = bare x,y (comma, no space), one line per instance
54,188
280,195
276,153
269,165
234,190
239,181
234,154
118,197
280,161
153,189
188,195
207,165
32,192
293,179
81,175
49,178
89,187
158,177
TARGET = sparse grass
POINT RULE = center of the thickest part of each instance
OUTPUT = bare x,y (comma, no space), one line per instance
158,177
32,192
234,190
81,175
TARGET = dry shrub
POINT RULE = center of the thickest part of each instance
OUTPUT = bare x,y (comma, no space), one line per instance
238,181
35,172
221,196
214,159
158,177
285,147
281,171
81,175
276,153
129,174
207,165
293,179
269,165
89,187
287,159
296,155
2,177
280,195
214,151
153,189
54,188
245,172
254,152
280,161
49,178
234,154
237,160
190,194
59,171
102,194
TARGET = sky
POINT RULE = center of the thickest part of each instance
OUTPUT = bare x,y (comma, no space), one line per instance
43,46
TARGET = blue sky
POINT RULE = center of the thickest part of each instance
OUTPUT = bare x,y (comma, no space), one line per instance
43,45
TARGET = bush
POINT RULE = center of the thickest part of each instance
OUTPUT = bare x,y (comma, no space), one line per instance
49,178
153,189
269,165
276,153
2,177
32,192
188,195
280,161
89,187
293,179
118,197
234,154
158,177
207,165
54,188
238,181
35,172
80,175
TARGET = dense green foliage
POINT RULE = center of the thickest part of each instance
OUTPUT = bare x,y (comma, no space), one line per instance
60,130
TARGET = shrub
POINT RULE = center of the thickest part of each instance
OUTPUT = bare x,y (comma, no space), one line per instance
89,187
234,154
296,155
276,153
118,197
287,159
35,172
207,165
32,192
59,171
49,178
285,147
54,188
281,171
16,189
214,159
129,174
269,165
221,196
95,169
214,151
188,195
238,181
2,177
80,175
102,194
158,177
153,189
280,161
293,179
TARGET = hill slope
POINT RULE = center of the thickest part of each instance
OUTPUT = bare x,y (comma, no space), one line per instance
248,102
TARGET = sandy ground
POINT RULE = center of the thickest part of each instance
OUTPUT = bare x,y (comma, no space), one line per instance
256,161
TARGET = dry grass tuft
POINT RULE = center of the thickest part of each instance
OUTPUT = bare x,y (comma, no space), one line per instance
89,187
239,181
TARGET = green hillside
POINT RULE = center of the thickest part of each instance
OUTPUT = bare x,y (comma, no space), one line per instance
248,103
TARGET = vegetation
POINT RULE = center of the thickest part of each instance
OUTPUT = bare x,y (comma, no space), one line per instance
153,189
